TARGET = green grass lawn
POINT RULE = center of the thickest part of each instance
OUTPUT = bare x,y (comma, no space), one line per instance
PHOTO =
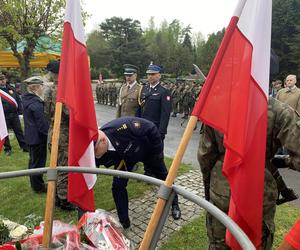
18,200
193,235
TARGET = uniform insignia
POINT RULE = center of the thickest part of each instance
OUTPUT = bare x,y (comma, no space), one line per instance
168,98
137,124
155,94
123,127
117,143
11,92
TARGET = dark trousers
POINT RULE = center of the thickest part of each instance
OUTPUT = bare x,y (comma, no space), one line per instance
13,122
37,159
156,165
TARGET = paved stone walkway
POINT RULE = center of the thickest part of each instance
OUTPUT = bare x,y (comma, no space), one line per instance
140,210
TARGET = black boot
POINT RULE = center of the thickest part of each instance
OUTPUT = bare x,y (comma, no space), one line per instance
125,223
287,194
176,212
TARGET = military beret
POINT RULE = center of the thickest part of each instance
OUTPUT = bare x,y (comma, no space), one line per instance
153,68
2,77
130,69
34,80
53,66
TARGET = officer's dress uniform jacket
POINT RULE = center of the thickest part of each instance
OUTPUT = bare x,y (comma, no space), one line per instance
134,140
156,106
129,100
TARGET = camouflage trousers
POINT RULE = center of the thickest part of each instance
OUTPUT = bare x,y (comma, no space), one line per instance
220,197
62,178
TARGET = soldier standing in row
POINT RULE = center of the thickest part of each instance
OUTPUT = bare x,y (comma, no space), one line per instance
62,157
175,93
12,107
281,118
130,93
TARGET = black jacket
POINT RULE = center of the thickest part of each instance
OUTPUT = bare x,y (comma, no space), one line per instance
8,107
35,122
135,140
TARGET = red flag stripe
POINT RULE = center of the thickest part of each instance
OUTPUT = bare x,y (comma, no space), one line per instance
8,98
74,90
3,128
234,101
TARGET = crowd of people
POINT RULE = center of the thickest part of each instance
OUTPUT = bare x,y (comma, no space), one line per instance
137,135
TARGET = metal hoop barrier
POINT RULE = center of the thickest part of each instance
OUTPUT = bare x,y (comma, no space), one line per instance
164,193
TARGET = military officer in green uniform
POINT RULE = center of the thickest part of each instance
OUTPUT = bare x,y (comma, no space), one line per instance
283,130
130,92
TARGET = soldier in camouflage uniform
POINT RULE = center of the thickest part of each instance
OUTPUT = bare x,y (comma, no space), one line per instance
281,118
98,92
62,157
175,93
186,99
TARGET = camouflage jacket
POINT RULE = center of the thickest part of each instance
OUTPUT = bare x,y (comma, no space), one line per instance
50,103
283,130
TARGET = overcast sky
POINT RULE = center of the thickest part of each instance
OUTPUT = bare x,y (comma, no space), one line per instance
206,16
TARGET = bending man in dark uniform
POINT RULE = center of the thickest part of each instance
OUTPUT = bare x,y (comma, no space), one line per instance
122,143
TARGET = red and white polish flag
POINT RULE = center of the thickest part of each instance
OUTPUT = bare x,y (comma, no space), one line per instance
75,91
234,100
3,128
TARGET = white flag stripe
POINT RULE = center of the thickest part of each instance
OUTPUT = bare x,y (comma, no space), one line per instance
3,128
88,160
7,96
254,14
239,8
73,11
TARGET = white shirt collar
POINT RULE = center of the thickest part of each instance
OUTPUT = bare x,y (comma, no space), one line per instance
131,85
153,86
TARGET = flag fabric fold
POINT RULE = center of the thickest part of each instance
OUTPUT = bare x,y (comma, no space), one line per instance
234,100
3,128
75,91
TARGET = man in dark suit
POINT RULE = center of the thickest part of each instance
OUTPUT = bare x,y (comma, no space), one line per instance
122,143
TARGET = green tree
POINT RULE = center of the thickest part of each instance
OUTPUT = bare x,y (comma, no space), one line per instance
126,43
207,51
286,35
29,20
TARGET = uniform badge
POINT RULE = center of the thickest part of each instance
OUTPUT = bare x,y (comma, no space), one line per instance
168,98
155,94
137,124
10,92
123,127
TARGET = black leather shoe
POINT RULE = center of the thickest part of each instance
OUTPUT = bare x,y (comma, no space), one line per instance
176,212
125,224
